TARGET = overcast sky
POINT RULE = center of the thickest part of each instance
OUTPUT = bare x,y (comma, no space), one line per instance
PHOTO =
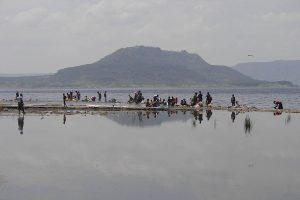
41,36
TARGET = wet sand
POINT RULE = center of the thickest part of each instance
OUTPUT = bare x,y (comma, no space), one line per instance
79,107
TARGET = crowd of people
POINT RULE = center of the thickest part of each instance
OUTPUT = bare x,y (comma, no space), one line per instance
196,100
137,98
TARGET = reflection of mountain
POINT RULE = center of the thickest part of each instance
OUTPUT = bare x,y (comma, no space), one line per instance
144,118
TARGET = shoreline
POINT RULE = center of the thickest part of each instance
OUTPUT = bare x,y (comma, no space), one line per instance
123,107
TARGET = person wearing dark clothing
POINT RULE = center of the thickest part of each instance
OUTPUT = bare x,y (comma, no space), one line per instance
64,100
194,99
17,95
105,96
200,96
233,100
99,95
278,105
20,103
208,99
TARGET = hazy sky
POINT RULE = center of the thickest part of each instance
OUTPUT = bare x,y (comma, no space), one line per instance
39,36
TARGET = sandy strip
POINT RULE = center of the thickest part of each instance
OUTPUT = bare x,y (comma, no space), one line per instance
79,107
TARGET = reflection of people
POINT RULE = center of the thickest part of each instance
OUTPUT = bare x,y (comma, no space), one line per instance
21,124
200,117
233,116
64,119
277,113
208,114
248,125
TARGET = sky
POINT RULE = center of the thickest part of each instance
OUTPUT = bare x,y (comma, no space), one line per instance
43,36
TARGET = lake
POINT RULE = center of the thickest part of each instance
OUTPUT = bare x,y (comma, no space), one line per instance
216,155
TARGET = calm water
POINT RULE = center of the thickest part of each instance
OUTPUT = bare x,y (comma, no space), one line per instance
259,97
137,155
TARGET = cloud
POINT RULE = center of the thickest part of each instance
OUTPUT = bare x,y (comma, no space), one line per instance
64,33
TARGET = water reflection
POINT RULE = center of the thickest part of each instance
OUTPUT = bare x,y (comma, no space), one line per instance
288,119
248,125
64,118
147,118
208,114
277,113
198,116
173,161
21,123
233,116
151,118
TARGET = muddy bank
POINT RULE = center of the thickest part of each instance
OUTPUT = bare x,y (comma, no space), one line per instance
76,107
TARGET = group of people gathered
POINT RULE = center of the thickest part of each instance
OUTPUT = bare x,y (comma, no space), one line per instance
137,98
196,100
157,101
76,96
173,101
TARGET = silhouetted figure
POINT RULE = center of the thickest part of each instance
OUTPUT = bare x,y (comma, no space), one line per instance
200,96
64,100
208,99
194,99
233,116
21,124
64,119
233,100
208,114
105,96
20,104
183,102
99,95
17,95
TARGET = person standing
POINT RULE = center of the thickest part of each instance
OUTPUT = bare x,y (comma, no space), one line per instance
17,95
233,100
99,95
64,100
200,96
208,98
20,104
105,96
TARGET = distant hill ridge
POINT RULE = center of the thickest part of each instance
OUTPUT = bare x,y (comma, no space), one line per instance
288,70
141,66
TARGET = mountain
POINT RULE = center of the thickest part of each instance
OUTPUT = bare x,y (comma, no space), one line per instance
287,70
140,67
